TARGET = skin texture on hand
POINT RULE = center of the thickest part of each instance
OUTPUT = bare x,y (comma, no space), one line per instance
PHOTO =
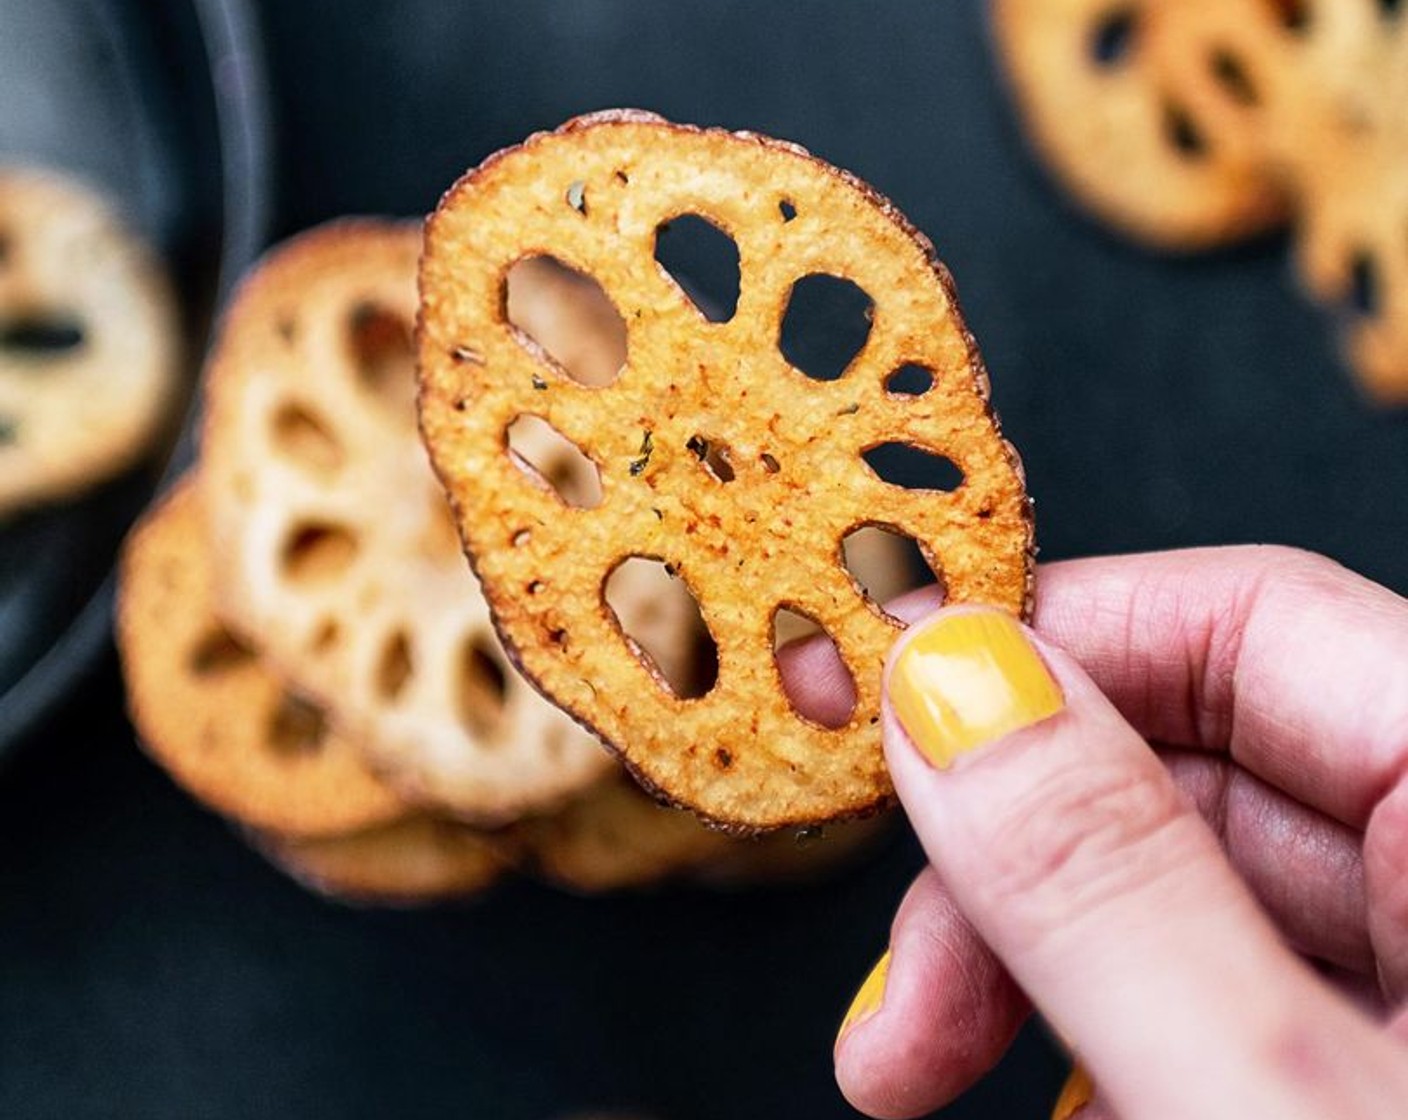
1149,902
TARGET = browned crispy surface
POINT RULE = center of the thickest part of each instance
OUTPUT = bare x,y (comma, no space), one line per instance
418,860
592,195
207,708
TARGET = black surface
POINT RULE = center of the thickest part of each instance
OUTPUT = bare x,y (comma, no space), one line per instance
155,967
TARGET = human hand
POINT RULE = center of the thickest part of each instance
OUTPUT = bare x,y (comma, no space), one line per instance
1159,909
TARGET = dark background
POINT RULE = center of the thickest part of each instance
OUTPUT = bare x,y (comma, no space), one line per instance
153,966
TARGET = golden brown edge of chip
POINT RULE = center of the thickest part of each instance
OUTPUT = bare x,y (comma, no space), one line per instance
605,118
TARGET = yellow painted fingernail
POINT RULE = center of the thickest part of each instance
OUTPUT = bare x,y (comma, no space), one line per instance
868,999
967,678
1075,1095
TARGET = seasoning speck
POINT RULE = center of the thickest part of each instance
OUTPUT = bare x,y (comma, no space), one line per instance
647,448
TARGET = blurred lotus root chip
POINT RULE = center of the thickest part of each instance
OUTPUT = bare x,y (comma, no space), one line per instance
416,861
211,712
1351,166
90,344
337,549
615,837
719,462
1149,112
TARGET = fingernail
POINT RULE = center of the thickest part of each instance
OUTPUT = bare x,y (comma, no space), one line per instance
1075,1095
965,678
868,999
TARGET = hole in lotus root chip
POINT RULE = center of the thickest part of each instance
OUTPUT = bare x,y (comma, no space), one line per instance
1295,14
317,552
1364,285
1232,76
1114,37
549,457
483,688
884,562
815,678
788,209
703,260
296,727
380,342
394,668
40,336
565,320
326,636
914,468
1183,133
910,380
826,326
219,651
658,615
305,439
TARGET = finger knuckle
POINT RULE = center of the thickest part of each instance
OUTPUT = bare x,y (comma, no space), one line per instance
1087,836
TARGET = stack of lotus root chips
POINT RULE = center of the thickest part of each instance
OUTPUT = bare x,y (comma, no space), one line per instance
1200,123
308,653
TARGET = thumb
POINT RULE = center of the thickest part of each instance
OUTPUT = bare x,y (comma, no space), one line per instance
1068,847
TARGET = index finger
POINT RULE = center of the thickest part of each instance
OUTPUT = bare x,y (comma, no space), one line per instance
1293,664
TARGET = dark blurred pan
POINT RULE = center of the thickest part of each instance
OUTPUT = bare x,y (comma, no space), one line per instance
162,105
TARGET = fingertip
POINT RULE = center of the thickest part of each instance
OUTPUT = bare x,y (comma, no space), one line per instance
947,1013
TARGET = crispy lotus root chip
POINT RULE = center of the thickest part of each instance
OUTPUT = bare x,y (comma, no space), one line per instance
717,458
89,340
339,552
1148,111
415,861
210,712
